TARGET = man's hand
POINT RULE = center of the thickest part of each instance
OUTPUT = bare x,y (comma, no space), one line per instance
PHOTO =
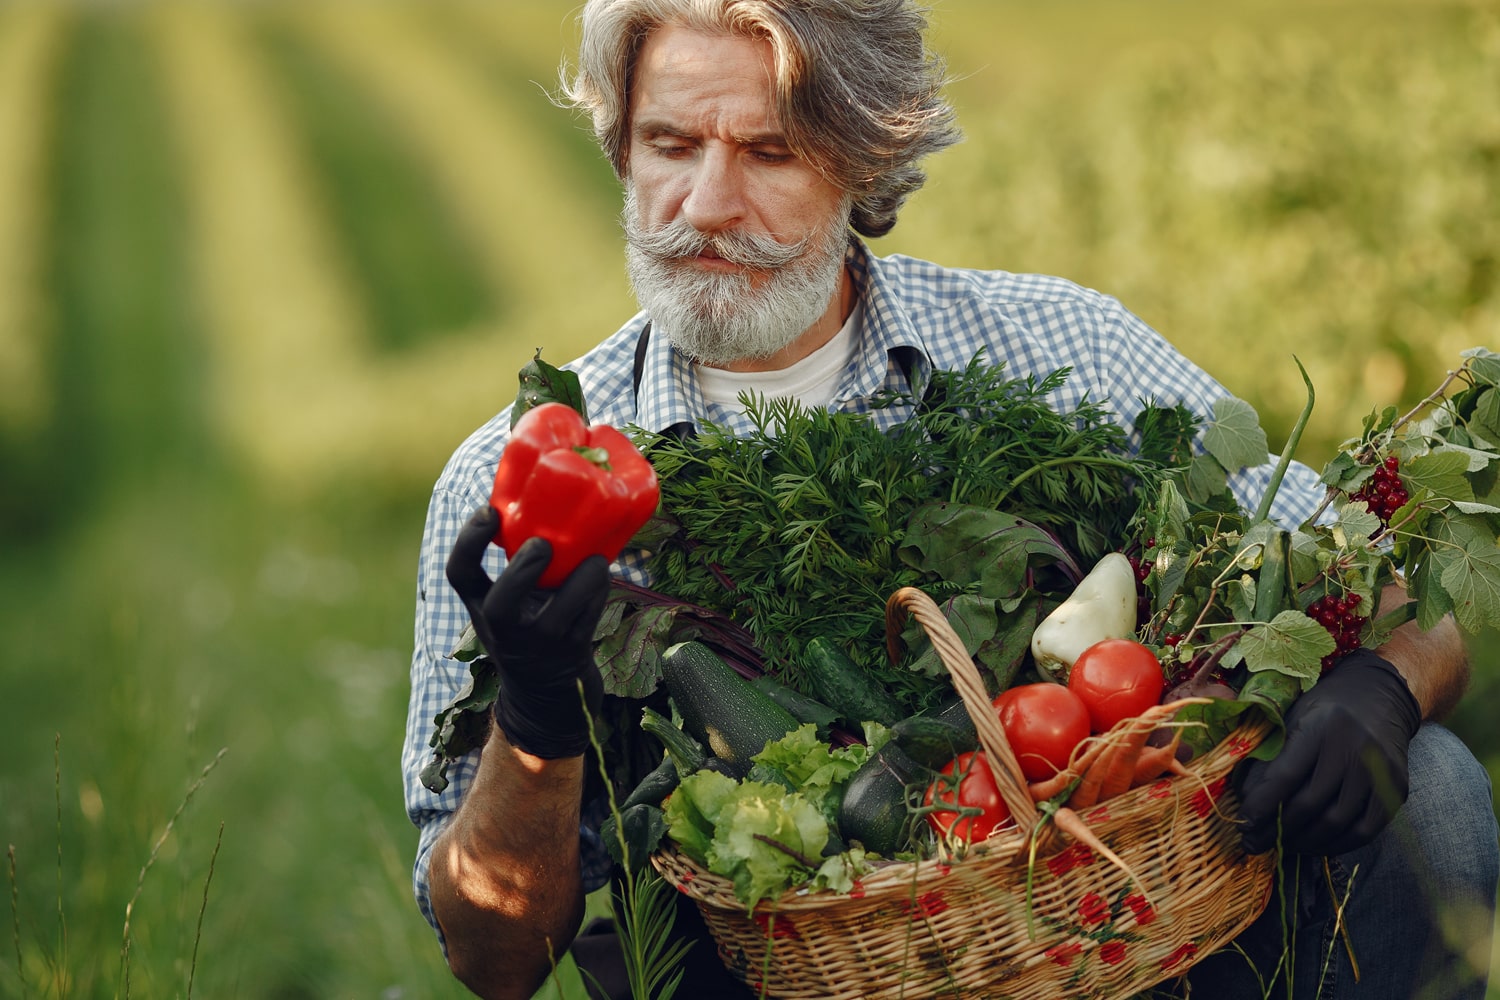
541,640
1342,774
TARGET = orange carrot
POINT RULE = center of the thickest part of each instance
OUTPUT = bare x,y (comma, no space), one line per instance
1050,787
1155,761
1072,824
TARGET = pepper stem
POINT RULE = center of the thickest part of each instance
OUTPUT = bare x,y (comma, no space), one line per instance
599,456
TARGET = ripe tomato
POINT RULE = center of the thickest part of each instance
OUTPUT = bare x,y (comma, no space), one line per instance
1116,679
1043,723
976,790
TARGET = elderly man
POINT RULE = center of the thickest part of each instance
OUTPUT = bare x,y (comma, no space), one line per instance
751,137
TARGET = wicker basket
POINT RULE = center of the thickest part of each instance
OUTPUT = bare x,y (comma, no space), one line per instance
958,926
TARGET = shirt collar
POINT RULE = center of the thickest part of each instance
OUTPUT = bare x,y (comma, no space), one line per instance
890,348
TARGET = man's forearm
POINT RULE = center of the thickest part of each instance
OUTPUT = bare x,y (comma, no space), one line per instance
1435,663
505,876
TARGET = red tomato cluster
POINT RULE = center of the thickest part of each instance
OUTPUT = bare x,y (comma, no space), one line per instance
1111,680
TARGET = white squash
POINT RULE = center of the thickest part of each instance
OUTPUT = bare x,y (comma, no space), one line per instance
1102,606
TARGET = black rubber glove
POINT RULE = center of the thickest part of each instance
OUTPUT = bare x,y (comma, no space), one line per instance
542,641
1342,774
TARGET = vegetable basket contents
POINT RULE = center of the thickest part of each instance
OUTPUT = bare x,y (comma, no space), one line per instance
1025,913
954,698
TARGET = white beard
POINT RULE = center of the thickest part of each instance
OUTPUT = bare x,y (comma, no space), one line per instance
717,318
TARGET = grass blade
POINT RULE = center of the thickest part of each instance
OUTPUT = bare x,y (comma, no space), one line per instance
151,862
198,932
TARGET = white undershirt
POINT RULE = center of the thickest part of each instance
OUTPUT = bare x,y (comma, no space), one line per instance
813,381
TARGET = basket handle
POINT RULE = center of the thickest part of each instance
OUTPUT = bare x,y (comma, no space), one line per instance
955,656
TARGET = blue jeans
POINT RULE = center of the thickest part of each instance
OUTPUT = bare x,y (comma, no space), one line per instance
1419,910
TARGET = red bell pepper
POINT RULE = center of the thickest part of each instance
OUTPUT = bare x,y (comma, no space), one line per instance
585,489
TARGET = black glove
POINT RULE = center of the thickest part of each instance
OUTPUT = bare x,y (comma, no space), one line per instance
542,641
1342,774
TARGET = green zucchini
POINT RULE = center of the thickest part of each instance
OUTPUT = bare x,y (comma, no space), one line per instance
874,810
719,708
846,688
936,736
685,753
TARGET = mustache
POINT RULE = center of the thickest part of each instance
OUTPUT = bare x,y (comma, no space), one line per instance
678,239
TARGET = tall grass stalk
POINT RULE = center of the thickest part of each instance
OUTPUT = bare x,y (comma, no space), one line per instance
60,969
203,908
151,862
15,916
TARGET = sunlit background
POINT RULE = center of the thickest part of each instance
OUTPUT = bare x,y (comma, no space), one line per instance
263,265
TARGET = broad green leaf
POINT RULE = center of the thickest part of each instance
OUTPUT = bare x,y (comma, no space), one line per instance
975,620
1206,478
1003,653
1441,473
968,545
1476,458
1234,436
1291,643
1485,420
1239,594
544,383
1484,363
1344,472
629,657
1273,691
1307,559
468,646
1355,525
644,824
1471,576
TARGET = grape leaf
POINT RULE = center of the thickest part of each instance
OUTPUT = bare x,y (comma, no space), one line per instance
1471,576
1477,458
1344,472
1234,436
1355,525
1205,478
1484,363
1485,420
1291,643
1442,473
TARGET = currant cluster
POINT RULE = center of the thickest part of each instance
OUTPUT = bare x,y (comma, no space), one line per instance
1341,617
1383,491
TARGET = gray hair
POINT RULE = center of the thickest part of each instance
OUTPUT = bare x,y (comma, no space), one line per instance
858,92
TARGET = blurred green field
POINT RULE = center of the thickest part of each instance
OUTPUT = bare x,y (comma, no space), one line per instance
263,265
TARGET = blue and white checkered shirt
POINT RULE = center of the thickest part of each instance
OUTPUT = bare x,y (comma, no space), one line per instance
1032,323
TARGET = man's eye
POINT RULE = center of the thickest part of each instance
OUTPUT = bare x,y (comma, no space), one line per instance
773,156
671,150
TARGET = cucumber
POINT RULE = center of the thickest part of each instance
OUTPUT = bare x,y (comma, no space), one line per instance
841,684
935,737
803,708
873,810
719,708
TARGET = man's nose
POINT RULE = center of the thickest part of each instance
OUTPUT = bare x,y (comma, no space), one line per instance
716,200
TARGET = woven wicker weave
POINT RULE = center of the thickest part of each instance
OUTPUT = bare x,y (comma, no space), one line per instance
958,926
